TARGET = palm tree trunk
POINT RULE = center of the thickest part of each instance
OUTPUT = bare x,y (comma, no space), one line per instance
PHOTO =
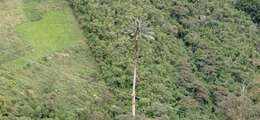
134,94
135,75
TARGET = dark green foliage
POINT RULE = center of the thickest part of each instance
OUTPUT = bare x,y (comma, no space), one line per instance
203,64
252,7
199,48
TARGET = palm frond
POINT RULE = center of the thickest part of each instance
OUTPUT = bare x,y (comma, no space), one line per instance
138,27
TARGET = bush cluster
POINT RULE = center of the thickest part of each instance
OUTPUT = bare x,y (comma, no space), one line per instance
252,7
203,52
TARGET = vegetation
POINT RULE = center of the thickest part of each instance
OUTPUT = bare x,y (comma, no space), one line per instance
203,52
54,31
191,60
137,30
56,77
9,38
252,7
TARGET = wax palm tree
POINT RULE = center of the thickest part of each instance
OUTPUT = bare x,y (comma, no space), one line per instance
137,30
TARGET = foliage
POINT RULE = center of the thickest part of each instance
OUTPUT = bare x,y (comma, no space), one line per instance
203,63
60,88
59,81
252,7
199,48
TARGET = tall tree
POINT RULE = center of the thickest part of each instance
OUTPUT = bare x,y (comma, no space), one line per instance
137,30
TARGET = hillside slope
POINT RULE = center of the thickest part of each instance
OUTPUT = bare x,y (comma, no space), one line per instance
11,14
46,69
202,65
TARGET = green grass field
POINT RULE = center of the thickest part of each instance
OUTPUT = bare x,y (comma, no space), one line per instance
54,30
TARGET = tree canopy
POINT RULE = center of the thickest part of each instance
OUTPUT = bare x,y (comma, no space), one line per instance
202,53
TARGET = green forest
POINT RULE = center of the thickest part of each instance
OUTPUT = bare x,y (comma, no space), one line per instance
129,59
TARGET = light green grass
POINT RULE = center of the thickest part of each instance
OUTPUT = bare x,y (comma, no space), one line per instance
55,31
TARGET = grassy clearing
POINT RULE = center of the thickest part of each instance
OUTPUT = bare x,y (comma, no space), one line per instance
48,29
56,44
55,31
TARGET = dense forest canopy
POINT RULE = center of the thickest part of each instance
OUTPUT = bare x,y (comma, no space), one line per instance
73,60
252,7
203,54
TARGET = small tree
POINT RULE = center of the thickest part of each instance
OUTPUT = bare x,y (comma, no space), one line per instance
137,30
239,107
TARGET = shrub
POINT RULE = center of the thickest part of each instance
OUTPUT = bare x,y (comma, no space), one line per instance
252,7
